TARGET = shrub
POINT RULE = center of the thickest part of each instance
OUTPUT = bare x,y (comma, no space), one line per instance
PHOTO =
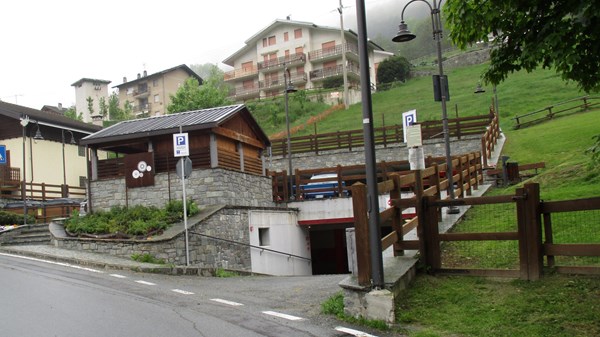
8,219
135,220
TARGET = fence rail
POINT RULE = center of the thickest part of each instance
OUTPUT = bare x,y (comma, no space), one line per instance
384,136
569,106
533,239
42,191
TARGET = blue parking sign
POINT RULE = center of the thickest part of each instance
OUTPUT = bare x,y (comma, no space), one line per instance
2,154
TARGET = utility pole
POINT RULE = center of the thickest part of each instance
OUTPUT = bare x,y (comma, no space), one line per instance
344,70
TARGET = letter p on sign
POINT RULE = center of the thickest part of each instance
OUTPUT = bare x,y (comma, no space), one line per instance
181,145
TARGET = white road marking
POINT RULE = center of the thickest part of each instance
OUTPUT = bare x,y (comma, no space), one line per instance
353,332
54,263
182,292
226,302
118,276
146,283
280,315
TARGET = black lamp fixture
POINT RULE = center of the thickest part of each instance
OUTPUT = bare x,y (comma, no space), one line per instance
403,34
479,89
38,133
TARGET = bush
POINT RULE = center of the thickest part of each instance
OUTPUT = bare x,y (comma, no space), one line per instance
9,219
136,220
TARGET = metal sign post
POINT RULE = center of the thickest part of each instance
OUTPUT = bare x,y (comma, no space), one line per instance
181,149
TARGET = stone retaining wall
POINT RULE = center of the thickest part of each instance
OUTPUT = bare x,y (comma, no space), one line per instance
393,152
230,223
205,187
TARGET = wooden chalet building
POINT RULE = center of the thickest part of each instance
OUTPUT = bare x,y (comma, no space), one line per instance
225,145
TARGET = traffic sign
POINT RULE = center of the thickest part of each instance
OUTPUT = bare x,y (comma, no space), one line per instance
181,146
2,154
187,167
408,118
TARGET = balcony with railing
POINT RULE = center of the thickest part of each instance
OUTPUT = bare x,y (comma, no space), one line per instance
141,109
280,62
141,92
323,73
241,73
241,92
279,82
326,54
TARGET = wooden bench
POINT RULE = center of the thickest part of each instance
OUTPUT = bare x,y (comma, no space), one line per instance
524,171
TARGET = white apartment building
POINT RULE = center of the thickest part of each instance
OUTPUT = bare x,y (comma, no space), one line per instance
89,88
311,53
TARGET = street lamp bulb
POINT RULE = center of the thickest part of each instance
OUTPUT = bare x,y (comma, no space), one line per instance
479,89
404,35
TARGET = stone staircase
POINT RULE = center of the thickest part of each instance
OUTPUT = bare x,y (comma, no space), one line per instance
28,235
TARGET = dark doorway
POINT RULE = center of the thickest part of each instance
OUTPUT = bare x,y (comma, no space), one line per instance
328,251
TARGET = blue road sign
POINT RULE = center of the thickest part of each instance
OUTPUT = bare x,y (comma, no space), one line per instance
2,154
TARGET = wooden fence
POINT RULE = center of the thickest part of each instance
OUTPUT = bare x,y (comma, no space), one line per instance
346,176
426,183
534,239
383,136
569,106
42,191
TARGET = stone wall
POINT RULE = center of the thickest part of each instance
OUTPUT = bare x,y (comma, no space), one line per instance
230,223
394,152
205,187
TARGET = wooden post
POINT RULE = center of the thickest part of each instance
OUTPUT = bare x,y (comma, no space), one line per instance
361,230
397,217
522,225
548,236
430,241
534,232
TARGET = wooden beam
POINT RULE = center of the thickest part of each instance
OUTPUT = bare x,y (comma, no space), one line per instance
237,136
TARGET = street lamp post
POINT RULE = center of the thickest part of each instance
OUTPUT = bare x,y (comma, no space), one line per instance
405,35
289,88
24,123
63,157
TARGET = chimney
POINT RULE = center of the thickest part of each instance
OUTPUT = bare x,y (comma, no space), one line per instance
59,106
145,73
139,76
124,79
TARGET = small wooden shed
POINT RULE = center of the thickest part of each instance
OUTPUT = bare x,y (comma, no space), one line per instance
223,137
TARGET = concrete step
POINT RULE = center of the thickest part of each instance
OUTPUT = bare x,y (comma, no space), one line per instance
33,234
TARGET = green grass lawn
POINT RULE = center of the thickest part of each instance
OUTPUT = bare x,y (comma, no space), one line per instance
556,305
522,92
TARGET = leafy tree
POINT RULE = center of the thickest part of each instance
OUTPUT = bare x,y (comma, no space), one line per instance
564,35
90,102
192,96
393,69
115,113
333,82
72,113
102,106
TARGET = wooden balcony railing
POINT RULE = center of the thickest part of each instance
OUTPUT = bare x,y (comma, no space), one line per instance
293,59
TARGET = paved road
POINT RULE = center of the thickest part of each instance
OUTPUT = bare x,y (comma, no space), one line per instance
52,299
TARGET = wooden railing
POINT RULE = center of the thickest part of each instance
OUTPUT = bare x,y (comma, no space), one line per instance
9,175
424,183
42,191
384,136
467,169
568,106
490,139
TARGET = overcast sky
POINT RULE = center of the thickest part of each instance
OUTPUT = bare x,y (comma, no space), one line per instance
49,45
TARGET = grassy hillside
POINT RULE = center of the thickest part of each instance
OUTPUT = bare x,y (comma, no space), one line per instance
561,143
522,92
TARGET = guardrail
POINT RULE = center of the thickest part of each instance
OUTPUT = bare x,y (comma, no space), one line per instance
572,105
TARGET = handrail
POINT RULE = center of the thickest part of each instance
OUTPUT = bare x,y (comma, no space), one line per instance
249,245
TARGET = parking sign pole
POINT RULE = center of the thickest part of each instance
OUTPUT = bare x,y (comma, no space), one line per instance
181,149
